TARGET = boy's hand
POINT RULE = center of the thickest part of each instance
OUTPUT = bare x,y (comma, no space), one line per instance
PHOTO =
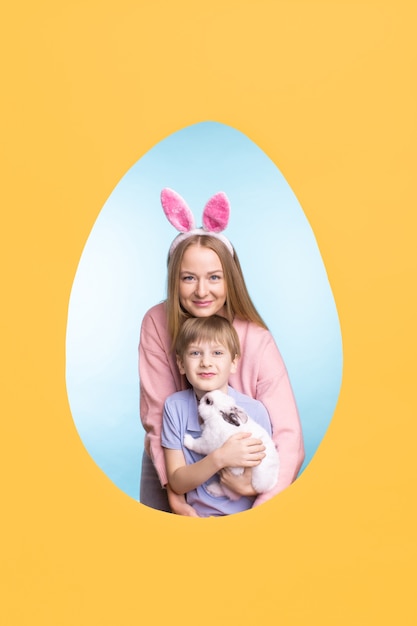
241,450
179,504
241,484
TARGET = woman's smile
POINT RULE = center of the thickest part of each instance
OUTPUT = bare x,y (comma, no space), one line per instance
202,303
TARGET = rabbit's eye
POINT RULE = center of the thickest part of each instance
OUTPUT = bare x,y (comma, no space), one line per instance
208,401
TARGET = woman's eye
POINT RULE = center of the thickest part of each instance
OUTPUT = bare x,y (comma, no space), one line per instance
188,279
215,278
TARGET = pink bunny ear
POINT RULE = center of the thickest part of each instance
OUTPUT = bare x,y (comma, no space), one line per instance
177,210
216,213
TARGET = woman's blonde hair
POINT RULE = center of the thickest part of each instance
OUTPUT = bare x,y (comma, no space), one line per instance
238,302
211,329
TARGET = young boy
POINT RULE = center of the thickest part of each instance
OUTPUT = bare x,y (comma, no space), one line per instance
207,352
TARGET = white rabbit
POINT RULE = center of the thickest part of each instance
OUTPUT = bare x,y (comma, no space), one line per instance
221,419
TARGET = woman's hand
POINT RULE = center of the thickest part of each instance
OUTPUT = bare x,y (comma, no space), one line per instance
179,504
241,450
239,484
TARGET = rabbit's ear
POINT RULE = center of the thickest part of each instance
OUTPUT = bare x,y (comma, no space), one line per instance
231,417
243,417
216,213
177,210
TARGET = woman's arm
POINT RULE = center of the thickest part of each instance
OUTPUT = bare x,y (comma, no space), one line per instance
159,377
275,392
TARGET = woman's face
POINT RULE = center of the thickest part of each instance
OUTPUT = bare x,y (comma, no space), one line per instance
202,287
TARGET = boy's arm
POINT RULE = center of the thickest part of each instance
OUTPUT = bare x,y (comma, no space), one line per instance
179,505
182,477
240,450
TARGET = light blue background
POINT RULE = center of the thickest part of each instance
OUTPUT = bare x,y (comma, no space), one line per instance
122,272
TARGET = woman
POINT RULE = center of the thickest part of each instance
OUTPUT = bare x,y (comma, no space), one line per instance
205,278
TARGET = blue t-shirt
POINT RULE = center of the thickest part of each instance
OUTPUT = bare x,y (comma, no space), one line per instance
180,418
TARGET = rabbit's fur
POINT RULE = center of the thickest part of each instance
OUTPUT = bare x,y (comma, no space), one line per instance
221,419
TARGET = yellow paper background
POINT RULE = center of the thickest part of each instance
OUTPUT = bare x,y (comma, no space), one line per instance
328,91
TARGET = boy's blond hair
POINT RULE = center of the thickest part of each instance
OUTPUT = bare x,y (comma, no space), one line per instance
211,329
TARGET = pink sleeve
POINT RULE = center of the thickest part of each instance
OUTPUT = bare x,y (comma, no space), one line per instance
159,378
274,390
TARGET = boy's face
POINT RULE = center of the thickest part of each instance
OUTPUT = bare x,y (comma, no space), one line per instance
207,366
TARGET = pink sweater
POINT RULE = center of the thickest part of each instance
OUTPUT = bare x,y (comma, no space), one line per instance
261,374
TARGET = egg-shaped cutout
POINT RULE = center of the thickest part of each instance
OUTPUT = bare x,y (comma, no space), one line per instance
122,273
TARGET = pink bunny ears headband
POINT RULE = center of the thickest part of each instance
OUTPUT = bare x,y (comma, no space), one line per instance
215,217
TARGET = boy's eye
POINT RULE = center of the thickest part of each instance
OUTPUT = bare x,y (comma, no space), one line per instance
218,353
